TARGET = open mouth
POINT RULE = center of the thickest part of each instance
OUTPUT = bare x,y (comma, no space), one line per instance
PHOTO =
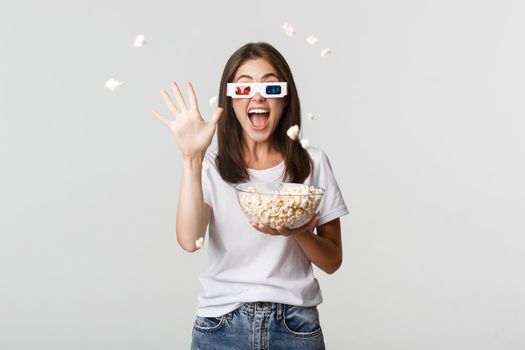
259,118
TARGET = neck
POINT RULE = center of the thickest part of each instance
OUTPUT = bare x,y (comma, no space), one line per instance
258,152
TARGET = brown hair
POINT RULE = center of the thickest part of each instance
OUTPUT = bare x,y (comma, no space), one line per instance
298,164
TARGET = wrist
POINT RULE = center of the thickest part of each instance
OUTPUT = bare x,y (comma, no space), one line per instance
302,235
192,162
193,158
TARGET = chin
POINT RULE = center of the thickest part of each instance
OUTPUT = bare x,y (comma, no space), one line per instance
259,138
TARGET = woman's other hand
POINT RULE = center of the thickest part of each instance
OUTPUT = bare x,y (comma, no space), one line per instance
307,228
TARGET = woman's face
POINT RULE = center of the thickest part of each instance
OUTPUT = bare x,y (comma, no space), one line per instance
258,126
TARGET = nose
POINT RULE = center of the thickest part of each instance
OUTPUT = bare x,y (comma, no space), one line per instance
257,97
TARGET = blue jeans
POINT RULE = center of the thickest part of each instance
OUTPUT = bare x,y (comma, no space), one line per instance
260,326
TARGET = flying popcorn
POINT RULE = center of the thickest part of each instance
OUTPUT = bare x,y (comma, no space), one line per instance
310,116
292,132
205,165
112,84
139,41
305,143
198,242
213,100
311,40
288,29
325,52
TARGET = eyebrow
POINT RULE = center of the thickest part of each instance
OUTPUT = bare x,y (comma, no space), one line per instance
263,77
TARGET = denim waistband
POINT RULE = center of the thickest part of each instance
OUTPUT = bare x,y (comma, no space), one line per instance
263,307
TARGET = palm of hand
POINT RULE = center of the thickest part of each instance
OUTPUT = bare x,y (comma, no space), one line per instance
193,133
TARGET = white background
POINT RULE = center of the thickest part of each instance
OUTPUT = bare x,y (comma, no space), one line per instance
419,108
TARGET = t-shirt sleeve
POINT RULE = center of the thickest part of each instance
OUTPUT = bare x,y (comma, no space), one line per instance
332,204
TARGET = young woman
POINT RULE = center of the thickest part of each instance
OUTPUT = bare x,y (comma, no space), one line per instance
259,291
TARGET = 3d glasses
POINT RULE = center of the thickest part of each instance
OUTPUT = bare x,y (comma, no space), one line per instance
248,90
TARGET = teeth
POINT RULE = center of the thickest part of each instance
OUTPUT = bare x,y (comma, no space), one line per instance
257,110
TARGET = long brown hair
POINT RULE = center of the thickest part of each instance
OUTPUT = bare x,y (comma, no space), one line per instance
298,164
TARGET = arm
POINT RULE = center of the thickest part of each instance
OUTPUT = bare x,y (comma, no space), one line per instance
193,215
324,249
194,135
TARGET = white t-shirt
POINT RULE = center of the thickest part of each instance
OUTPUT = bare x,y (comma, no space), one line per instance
247,265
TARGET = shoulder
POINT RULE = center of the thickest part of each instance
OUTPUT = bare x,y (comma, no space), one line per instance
318,155
322,167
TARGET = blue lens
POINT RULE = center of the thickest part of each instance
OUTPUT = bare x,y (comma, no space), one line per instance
273,90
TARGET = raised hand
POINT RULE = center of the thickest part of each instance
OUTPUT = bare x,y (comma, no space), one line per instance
193,134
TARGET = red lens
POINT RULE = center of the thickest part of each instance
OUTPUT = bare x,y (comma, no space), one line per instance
242,91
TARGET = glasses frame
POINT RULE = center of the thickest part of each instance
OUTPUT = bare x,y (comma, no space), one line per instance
257,87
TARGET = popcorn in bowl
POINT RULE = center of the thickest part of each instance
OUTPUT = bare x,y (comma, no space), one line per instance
282,204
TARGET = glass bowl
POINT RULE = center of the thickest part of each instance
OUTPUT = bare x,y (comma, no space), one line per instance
279,204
